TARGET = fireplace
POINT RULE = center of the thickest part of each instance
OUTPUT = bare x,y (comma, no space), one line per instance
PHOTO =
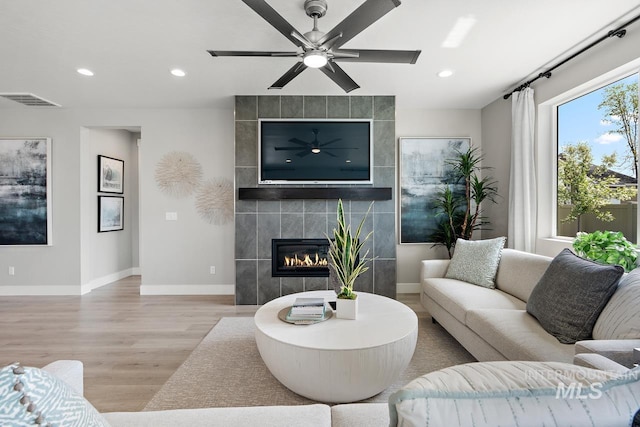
299,258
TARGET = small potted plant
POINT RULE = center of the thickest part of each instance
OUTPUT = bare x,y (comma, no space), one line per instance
607,247
346,264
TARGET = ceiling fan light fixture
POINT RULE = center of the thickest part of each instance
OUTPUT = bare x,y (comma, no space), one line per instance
315,150
315,59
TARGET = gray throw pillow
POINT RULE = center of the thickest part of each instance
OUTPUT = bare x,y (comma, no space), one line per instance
571,294
476,261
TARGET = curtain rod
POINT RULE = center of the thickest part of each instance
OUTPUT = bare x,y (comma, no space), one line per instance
619,32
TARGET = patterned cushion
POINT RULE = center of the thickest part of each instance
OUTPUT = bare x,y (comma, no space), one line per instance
476,261
522,394
620,319
31,396
571,295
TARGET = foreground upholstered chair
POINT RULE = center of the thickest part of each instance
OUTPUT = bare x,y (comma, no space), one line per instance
518,393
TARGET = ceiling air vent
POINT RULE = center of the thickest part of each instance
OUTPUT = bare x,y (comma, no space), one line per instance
29,99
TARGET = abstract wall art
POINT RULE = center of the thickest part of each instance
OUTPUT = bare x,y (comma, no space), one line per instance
25,191
424,169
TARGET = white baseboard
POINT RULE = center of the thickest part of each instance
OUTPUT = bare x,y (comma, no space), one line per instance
187,289
39,290
136,271
408,288
105,280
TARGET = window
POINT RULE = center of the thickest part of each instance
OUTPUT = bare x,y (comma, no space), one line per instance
598,161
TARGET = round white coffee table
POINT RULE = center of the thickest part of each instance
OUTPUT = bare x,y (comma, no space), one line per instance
338,360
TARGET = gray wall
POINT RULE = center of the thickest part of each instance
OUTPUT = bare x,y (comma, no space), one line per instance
175,255
258,222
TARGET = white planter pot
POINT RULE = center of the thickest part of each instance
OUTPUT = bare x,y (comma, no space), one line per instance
346,308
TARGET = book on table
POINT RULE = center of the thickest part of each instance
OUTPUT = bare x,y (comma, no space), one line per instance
307,309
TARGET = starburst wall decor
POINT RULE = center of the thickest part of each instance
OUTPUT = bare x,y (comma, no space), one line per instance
214,201
178,174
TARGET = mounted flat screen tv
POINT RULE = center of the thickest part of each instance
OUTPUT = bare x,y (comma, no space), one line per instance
315,151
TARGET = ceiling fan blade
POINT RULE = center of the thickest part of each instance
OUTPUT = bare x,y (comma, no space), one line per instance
286,148
270,15
328,153
340,78
249,53
289,75
330,142
373,55
299,142
368,13
303,153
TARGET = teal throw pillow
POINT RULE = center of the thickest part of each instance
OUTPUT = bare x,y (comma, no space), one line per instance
31,396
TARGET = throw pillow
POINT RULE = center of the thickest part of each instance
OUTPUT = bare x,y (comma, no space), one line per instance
620,319
31,396
476,261
571,294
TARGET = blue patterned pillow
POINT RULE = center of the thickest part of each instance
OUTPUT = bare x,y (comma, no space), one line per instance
31,396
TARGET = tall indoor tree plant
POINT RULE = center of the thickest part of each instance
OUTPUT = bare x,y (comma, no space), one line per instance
345,260
458,210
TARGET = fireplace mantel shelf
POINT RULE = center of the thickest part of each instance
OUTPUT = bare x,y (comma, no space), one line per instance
347,193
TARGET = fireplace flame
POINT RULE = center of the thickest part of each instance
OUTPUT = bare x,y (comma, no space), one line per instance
313,260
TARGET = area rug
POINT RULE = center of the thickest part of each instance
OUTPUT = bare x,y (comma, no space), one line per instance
225,369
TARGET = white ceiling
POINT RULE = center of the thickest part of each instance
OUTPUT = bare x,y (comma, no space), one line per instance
132,44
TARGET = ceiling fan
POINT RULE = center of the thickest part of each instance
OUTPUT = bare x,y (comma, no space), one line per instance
322,50
305,148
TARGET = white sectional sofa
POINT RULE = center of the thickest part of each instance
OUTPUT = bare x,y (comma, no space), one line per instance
493,324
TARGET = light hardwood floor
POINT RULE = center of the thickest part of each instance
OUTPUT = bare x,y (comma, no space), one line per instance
129,344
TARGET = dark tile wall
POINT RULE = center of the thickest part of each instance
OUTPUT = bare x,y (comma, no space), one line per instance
257,222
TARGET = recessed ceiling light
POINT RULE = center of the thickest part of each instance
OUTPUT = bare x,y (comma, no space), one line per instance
445,73
459,31
178,72
85,72
288,160
347,161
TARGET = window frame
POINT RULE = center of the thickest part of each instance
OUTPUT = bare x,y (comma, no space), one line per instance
547,241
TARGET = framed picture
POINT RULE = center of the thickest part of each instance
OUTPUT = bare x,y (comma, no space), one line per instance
25,191
110,175
110,213
423,171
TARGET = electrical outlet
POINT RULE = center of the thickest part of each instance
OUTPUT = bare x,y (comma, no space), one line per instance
212,269
12,270
171,216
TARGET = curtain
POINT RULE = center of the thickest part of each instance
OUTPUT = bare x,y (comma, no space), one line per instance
522,188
